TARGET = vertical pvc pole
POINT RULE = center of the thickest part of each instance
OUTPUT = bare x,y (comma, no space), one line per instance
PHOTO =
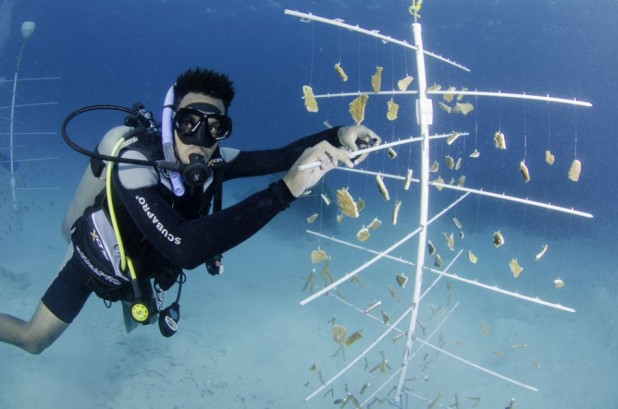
424,118
12,125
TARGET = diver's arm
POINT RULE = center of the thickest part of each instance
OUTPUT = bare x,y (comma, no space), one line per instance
264,162
191,242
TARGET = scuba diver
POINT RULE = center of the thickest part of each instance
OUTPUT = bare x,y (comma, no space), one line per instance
150,205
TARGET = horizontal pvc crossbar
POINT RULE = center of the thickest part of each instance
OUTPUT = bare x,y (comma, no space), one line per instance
371,33
480,192
455,277
499,94
381,147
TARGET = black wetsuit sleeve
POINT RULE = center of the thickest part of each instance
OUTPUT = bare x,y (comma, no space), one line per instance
191,242
264,162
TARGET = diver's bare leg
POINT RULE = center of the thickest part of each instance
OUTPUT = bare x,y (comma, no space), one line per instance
35,335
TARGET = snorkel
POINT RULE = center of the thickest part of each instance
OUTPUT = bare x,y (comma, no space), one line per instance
167,138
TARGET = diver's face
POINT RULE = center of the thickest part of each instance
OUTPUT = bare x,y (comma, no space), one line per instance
183,150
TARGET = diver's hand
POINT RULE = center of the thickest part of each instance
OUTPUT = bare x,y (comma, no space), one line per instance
329,157
357,137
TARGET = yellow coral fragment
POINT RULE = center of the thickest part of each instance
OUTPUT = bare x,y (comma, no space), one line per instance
558,283
391,153
450,162
435,166
312,218
448,97
499,140
549,158
346,203
472,257
437,261
575,170
452,138
382,187
376,80
396,208
458,164
435,87
431,248
393,109
445,107
516,269
403,83
461,96
375,223
363,234
475,154
353,338
341,72
463,108
450,241
339,332
310,103
408,180
318,255
439,183
523,169
461,180
357,108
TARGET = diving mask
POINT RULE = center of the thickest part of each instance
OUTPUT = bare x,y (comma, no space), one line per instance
202,124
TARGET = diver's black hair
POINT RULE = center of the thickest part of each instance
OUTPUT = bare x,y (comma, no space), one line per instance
206,82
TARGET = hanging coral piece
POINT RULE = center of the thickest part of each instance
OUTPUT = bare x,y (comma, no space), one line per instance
363,234
475,154
339,332
392,154
393,109
325,199
444,107
346,203
434,87
499,140
318,256
461,180
431,248
457,223
516,269
437,261
549,158
341,72
558,283
458,164
376,80
396,212
382,187
450,162
575,170
498,239
472,257
452,138
408,180
375,223
439,183
463,108
403,83
312,218
450,240
541,253
310,103
448,97
435,166
523,169
461,96
401,279
357,108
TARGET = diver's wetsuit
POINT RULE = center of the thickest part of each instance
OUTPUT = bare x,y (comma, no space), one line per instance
163,233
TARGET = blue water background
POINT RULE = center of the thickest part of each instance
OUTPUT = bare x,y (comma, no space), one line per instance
126,51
